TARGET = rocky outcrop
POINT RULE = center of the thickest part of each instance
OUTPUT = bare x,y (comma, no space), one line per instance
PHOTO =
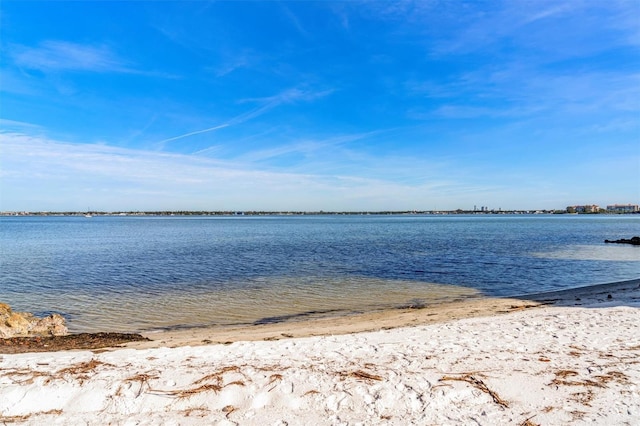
24,324
633,241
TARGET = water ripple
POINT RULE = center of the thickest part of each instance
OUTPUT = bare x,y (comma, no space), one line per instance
126,274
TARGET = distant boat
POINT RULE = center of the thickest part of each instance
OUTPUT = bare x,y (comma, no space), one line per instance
88,215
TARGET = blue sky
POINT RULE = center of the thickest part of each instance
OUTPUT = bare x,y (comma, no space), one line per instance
379,105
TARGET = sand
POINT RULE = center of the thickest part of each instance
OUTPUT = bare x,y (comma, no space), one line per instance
569,357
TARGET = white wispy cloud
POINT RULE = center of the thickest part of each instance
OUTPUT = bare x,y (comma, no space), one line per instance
519,90
238,61
341,13
295,21
197,132
44,174
290,96
13,124
48,173
533,27
400,10
65,56
14,81
547,12
323,148
266,104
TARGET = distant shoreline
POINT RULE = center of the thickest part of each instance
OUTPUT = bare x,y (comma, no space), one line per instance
307,213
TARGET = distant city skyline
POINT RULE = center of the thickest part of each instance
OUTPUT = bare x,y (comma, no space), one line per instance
588,208
309,106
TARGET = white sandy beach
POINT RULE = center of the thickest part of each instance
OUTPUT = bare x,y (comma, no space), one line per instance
574,362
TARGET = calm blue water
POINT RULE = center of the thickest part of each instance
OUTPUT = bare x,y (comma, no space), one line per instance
137,273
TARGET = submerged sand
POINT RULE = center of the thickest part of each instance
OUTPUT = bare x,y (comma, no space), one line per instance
557,358
387,319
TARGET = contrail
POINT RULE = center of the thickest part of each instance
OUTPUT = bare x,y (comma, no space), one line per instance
287,96
195,133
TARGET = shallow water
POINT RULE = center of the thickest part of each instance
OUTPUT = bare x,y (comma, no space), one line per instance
139,273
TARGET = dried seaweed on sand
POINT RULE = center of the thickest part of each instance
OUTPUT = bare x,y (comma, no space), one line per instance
478,384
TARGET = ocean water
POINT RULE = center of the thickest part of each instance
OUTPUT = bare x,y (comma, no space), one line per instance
139,273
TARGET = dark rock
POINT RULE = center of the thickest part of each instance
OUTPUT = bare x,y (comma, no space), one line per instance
635,241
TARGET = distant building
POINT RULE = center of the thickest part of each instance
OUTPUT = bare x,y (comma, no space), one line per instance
623,208
593,208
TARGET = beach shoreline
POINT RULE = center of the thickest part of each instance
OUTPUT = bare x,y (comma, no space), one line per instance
383,319
336,323
554,358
